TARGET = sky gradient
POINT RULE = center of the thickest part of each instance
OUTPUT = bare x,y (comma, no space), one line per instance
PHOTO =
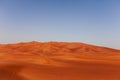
89,21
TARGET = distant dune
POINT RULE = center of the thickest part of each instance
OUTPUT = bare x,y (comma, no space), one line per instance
58,61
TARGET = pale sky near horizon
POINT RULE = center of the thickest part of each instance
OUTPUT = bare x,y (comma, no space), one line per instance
89,21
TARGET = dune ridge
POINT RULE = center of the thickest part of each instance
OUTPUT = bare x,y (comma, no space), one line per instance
58,61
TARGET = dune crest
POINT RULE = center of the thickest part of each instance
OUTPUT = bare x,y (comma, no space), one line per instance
58,61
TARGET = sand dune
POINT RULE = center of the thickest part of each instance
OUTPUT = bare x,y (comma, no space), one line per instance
58,61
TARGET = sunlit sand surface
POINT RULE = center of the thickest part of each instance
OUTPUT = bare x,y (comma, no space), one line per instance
58,61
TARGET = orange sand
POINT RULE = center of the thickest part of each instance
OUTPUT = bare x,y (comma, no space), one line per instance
58,61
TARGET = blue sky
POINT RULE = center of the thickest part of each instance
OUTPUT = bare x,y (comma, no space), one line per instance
89,21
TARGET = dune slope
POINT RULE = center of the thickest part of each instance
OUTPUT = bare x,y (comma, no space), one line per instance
58,61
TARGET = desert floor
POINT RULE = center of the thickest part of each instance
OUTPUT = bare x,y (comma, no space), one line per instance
18,64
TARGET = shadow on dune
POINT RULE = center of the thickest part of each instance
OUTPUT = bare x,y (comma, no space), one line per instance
73,71
11,72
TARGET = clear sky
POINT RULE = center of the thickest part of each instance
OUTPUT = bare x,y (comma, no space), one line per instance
89,21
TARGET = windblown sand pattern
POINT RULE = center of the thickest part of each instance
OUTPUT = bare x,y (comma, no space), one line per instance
58,61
